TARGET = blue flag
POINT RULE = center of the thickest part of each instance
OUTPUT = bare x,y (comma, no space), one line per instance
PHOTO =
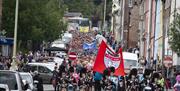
91,46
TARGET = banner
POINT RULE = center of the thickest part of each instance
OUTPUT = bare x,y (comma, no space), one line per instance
106,58
84,29
91,46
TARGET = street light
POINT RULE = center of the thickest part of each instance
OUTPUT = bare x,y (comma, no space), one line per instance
14,66
104,20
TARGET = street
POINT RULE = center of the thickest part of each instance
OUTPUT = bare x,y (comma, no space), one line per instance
48,87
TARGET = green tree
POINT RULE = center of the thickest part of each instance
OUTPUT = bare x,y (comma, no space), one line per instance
175,34
88,8
38,21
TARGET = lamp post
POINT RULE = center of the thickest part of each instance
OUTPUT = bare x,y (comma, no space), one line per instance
104,20
149,32
14,66
163,38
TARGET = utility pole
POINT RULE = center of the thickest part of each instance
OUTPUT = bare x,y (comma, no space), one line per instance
175,11
122,24
117,18
163,38
104,20
112,21
14,66
149,31
141,28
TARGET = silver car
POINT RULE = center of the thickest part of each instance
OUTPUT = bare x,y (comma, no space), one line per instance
45,70
27,77
12,79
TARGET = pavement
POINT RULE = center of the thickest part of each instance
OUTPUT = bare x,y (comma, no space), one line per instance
48,87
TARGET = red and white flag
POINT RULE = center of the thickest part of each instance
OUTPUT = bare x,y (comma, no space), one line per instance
107,58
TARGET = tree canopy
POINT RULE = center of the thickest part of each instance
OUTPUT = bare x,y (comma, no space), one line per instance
175,34
41,20
89,8
38,20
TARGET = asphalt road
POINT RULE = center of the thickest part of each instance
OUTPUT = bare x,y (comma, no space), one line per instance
48,87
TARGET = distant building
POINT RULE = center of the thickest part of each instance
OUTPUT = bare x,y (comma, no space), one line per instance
72,14
133,24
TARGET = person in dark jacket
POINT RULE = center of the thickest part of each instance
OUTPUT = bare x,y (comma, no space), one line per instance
54,79
40,81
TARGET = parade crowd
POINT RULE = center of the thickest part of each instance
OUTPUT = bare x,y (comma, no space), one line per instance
79,75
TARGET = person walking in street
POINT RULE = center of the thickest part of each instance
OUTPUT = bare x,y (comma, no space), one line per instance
39,81
54,79
177,85
161,82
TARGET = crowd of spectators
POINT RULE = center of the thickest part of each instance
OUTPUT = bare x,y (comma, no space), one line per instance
79,38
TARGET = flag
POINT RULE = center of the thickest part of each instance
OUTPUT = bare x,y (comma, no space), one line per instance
106,58
89,46
121,71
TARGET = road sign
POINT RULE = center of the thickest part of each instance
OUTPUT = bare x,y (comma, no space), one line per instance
168,61
72,56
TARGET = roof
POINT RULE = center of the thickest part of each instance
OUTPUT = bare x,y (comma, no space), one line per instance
72,14
24,73
131,56
55,49
78,18
9,71
48,65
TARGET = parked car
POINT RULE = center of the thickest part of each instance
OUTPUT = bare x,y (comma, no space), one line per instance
12,79
27,77
131,61
57,60
44,69
4,87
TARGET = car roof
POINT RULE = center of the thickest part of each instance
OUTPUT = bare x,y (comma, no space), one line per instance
24,73
8,71
48,65
38,63
131,56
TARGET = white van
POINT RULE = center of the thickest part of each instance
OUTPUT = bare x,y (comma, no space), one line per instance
130,61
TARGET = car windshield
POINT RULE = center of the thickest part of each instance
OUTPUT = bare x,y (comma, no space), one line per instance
9,79
84,23
26,77
128,63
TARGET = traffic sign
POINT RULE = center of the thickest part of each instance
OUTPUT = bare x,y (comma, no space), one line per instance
72,56
168,61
